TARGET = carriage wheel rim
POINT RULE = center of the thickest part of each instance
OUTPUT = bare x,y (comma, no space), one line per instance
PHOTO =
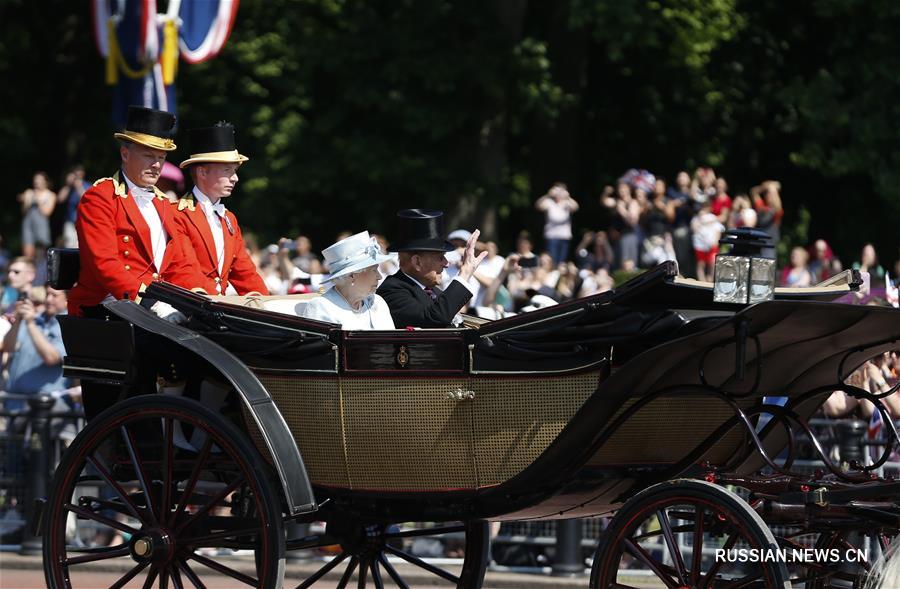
156,548
609,574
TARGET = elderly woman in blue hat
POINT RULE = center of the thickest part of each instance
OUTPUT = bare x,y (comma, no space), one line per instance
352,301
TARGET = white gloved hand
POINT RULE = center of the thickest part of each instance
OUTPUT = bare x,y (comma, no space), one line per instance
167,312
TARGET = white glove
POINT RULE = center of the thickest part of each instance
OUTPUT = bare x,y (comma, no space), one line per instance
167,312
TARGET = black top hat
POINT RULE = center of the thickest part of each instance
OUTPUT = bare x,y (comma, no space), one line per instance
213,144
421,230
150,127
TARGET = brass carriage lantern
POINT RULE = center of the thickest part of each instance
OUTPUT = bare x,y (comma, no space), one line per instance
743,275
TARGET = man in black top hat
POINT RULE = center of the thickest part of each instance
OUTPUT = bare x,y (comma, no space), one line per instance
412,294
213,231
127,233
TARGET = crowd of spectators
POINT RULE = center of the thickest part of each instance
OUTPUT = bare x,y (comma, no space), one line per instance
646,221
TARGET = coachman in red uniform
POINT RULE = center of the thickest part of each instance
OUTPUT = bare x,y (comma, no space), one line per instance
127,233
212,230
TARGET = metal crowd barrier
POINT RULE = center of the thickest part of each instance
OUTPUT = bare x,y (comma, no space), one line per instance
29,452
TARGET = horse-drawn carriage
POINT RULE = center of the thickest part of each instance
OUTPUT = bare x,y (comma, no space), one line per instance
645,403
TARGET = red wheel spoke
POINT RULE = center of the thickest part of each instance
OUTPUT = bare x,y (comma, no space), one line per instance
208,562
697,554
122,493
376,575
192,481
190,574
210,504
128,576
422,564
151,577
322,571
361,581
711,575
342,584
392,572
426,532
138,465
88,514
95,556
638,552
168,458
672,545
176,578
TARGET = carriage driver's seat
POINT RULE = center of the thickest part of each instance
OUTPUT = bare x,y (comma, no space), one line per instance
63,265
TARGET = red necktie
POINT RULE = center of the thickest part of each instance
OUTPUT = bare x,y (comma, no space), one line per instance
430,293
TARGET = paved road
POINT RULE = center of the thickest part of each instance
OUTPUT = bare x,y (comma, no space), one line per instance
22,579
24,572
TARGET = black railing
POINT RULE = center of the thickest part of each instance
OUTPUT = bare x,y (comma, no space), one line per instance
30,449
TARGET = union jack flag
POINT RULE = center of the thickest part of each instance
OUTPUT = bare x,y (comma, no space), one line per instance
142,48
875,425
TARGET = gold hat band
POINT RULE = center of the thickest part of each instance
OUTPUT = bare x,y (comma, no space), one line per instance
148,140
222,157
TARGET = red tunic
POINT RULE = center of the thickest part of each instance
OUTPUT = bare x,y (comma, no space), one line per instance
115,247
238,268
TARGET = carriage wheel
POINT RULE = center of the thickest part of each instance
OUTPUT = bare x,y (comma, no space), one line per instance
164,492
369,553
843,575
658,531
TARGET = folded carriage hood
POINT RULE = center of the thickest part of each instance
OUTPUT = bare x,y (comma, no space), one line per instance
792,348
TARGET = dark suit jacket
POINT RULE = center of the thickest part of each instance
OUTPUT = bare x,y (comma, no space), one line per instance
410,306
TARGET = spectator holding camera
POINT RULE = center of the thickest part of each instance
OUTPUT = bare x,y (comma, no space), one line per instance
594,252
37,203
20,275
69,197
767,202
625,226
557,206
35,345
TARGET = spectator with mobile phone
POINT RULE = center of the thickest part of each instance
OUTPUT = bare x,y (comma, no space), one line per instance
557,206
20,275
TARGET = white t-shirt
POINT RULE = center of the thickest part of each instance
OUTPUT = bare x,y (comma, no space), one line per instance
489,268
332,307
707,230
558,223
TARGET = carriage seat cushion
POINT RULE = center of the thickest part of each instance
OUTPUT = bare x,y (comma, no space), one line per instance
287,304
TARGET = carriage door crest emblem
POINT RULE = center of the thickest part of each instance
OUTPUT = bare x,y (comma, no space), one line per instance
403,356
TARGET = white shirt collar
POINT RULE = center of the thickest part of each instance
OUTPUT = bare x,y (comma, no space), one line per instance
422,286
207,203
138,190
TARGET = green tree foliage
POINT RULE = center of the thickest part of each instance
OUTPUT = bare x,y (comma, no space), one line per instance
350,109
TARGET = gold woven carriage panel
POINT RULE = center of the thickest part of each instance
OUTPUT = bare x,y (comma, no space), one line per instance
516,418
311,406
407,434
667,429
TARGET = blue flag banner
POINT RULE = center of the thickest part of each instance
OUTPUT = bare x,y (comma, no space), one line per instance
142,48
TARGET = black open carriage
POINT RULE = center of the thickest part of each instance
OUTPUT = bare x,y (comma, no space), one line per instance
646,403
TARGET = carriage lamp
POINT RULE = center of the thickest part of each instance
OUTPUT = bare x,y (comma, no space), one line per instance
743,274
